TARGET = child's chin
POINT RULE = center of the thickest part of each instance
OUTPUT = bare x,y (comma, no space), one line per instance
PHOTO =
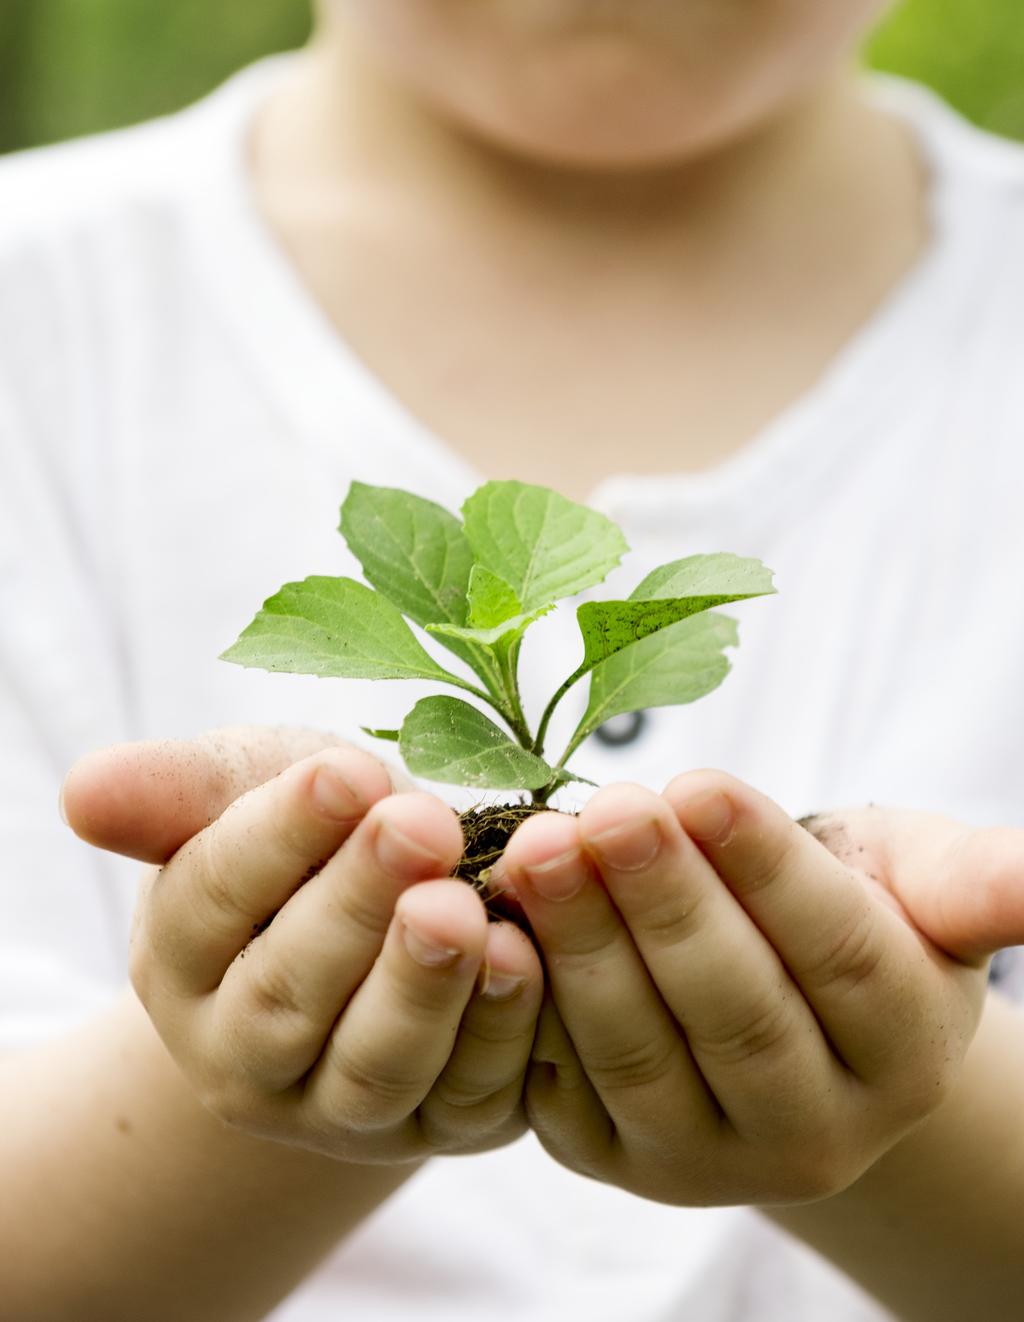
604,144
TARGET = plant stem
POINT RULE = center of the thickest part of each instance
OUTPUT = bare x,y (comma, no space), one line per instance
549,710
509,659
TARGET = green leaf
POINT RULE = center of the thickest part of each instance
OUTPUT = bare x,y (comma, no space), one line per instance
723,576
678,664
411,550
542,545
506,632
671,593
491,600
392,736
448,740
563,777
334,626
417,555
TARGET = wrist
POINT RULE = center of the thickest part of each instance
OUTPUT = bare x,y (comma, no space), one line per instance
932,1228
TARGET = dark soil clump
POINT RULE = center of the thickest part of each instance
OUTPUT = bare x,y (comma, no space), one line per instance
487,831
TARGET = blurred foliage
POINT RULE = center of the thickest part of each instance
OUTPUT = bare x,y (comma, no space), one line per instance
75,66
972,51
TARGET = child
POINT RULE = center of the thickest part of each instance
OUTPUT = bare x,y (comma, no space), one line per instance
543,233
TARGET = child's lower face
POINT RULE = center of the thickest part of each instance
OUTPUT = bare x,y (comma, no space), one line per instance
604,82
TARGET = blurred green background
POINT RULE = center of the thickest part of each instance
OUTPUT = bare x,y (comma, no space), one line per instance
75,66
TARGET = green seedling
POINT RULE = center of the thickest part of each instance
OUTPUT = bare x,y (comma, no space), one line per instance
475,587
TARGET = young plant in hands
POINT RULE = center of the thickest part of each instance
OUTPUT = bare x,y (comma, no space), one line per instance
476,586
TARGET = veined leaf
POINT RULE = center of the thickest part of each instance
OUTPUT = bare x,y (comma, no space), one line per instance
417,555
335,626
448,740
678,664
564,777
507,632
491,600
411,550
727,577
671,593
542,545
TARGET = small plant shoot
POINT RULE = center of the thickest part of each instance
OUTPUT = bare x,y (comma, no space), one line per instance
475,586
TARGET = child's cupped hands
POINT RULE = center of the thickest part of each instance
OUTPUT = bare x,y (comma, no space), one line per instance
321,980
738,1014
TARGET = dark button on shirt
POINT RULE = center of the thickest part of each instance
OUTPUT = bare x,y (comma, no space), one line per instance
621,730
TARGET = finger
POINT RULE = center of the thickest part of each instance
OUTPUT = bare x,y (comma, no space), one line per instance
750,1031
145,800
963,887
279,999
854,958
562,1106
625,1037
478,1094
397,1033
222,886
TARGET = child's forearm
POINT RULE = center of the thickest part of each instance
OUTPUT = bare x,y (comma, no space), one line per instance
935,1230
125,1199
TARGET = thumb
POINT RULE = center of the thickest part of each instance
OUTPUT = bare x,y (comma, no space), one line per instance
978,907
146,799
963,887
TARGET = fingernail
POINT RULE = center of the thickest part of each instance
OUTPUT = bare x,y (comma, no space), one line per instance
60,803
425,950
334,796
499,986
709,817
400,855
629,846
558,878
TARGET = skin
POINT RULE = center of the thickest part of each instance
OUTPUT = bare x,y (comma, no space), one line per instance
619,85
153,1120
758,1060
739,1045
627,297
269,1098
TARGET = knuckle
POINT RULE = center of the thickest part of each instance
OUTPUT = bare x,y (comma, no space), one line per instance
772,859
924,1087
760,1033
674,921
372,1093
216,899
230,1103
853,959
423,1001
585,949
290,832
454,1119
635,1066
273,988
461,1094
819,1169
361,911
484,1035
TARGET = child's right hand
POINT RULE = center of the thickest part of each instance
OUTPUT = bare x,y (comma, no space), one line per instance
372,1019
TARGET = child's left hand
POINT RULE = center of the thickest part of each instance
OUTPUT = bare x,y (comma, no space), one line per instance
737,1014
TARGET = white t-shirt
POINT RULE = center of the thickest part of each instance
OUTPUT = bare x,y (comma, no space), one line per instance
178,425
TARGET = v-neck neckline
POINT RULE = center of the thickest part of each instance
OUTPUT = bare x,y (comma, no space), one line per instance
326,392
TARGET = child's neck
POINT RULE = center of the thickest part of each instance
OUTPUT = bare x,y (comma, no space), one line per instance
578,310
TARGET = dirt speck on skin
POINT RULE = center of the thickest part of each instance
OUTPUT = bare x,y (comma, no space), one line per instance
828,832
123,1125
